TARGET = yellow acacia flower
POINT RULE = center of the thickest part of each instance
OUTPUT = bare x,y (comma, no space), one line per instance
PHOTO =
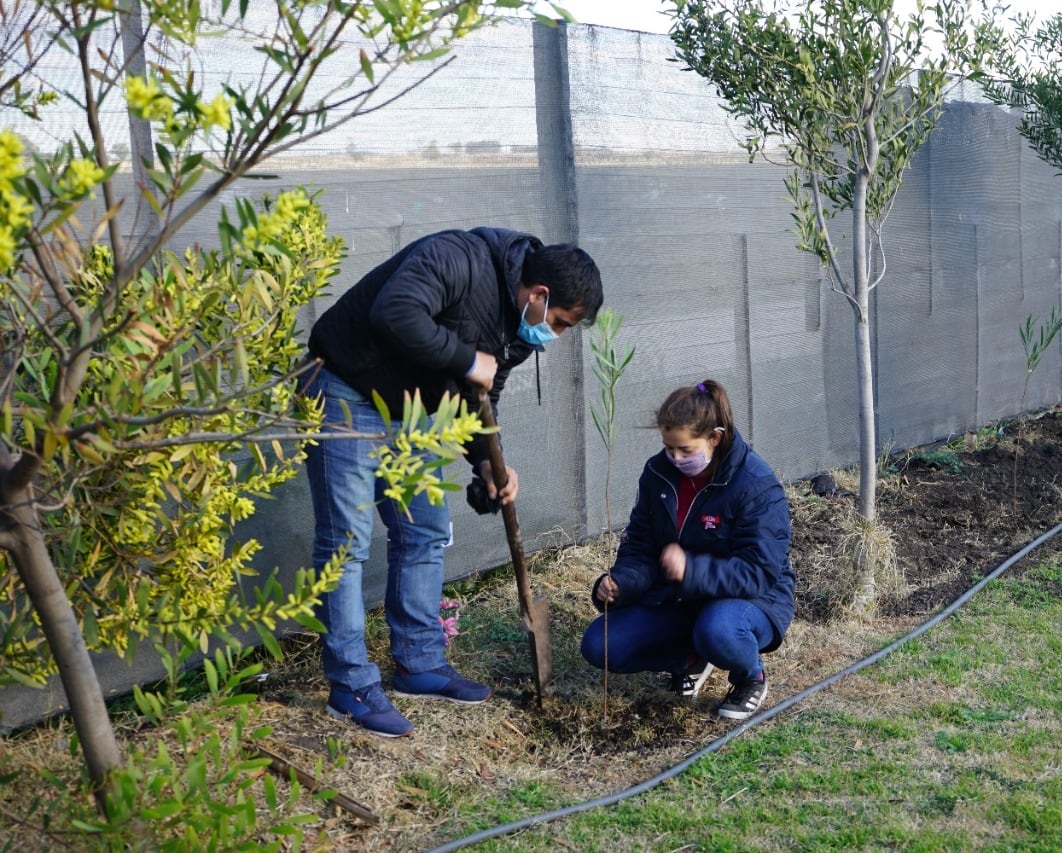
10,159
7,248
217,112
285,211
10,146
140,92
146,99
14,209
290,204
81,177
461,429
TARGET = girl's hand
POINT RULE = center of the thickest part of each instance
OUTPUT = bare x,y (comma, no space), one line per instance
673,562
607,590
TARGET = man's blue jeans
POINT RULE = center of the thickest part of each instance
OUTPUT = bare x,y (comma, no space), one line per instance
727,632
346,494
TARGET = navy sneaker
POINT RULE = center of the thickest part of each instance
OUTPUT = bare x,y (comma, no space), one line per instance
369,708
744,699
441,683
689,684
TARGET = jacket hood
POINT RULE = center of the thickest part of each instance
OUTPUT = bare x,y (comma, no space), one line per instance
508,250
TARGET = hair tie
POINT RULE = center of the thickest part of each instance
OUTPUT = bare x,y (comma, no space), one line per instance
701,388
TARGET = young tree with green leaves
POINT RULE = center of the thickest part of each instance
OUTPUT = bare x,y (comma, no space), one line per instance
850,90
609,364
1028,75
146,393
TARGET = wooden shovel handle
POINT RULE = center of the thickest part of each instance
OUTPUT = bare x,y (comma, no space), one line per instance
500,475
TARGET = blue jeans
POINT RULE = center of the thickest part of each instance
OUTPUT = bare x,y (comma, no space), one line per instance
727,632
346,493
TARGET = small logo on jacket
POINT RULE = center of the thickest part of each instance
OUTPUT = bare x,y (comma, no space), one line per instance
711,522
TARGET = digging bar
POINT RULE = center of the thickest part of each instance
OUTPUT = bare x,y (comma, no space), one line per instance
533,613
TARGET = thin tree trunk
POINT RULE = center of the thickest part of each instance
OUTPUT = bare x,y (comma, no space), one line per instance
868,479
868,459
23,540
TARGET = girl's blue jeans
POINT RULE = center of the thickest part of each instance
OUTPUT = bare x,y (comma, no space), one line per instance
727,632
346,494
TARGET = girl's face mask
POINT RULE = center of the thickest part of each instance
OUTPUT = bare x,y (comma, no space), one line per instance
691,465
689,453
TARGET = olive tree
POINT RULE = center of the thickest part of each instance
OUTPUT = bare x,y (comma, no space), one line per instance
1028,75
850,89
131,369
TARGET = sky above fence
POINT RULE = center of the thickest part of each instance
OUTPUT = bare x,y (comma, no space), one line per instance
649,16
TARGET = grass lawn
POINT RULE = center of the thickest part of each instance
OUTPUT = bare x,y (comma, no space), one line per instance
953,742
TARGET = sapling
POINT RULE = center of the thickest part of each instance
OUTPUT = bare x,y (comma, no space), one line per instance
609,365
1035,346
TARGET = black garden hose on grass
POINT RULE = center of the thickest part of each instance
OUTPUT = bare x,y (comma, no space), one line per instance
774,710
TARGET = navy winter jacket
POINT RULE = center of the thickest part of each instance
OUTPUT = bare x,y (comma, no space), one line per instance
736,538
417,319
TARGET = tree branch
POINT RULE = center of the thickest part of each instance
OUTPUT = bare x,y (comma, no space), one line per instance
831,252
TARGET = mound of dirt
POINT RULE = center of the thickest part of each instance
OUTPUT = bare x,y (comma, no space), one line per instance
955,511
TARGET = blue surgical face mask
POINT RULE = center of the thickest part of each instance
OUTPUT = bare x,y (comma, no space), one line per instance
539,335
692,465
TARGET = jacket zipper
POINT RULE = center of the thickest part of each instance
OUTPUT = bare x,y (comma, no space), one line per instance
674,491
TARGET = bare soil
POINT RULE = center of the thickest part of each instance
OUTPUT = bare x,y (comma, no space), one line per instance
955,511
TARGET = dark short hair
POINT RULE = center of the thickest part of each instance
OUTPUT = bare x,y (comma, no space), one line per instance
571,275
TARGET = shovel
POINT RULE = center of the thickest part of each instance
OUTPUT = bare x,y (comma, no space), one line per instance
533,613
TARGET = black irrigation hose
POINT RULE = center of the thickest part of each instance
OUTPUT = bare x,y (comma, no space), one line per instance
715,745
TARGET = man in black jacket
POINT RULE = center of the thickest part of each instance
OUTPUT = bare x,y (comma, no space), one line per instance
452,312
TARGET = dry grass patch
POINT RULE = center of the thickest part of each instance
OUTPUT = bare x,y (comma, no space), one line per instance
467,767
507,757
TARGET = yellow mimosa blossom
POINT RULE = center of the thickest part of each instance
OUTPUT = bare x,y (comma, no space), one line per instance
290,204
10,159
7,248
146,99
81,177
217,112
14,209
285,212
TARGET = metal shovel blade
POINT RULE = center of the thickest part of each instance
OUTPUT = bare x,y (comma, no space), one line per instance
534,614
541,642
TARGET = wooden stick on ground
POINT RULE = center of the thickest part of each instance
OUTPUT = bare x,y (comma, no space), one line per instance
283,768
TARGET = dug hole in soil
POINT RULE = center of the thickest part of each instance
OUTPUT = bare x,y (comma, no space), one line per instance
955,511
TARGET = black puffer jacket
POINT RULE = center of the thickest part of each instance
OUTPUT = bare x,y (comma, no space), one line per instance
417,319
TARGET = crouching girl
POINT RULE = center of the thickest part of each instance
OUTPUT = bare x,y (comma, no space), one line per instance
702,575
